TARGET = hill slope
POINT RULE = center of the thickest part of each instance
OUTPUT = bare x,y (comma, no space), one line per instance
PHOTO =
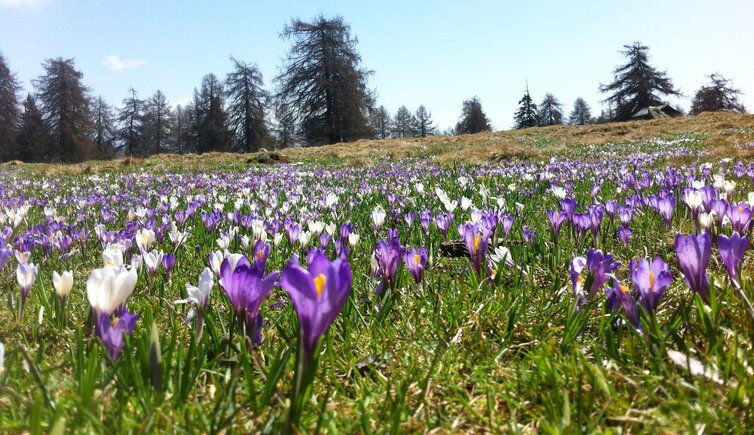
720,134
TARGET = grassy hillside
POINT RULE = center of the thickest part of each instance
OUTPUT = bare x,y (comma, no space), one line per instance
720,134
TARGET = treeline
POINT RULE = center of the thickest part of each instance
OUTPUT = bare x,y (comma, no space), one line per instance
636,85
319,97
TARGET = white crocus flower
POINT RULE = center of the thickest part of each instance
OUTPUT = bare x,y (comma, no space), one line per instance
559,192
693,198
304,237
22,257
215,260
113,255
353,239
502,254
378,217
331,199
176,236
465,203
330,228
245,241
706,219
257,228
26,274
277,239
63,283
198,295
152,260
144,239
316,227
223,242
109,287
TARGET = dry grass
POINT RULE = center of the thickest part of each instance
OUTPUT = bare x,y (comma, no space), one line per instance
721,133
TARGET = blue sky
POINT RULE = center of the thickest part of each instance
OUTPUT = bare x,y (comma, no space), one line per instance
435,53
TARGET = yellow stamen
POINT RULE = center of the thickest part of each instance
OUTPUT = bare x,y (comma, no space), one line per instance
416,258
319,283
580,280
740,209
623,288
115,321
260,255
651,279
477,239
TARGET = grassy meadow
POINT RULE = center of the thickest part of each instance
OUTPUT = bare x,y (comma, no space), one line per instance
537,323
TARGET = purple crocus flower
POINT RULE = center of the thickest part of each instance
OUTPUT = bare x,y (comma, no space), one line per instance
168,261
507,222
5,254
112,331
409,217
693,252
596,214
599,269
345,230
324,240
489,224
569,207
577,280
416,262
476,245
619,296
582,222
556,220
292,230
246,288
425,219
260,254
666,206
529,234
732,250
624,234
388,256
740,216
318,296
625,214
651,280
720,207
443,221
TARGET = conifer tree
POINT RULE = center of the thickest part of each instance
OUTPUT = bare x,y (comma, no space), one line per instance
247,105
9,89
323,84
637,85
65,106
581,113
717,96
211,123
33,142
526,115
103,131
131,120
473,119
424,124
550,111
